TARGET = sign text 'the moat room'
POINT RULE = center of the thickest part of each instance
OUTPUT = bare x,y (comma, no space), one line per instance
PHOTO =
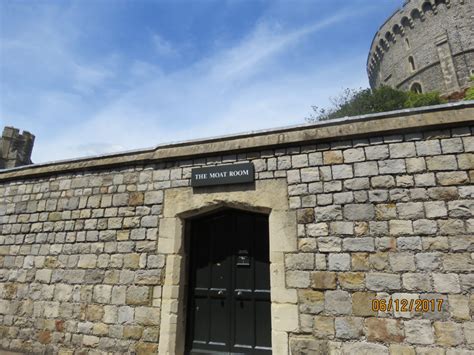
222,175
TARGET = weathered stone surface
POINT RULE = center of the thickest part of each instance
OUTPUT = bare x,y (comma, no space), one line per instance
448,333
362,303
348,327
384,330
322,280
419,332
337,302
382,281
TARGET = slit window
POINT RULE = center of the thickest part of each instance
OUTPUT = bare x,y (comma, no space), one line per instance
411,61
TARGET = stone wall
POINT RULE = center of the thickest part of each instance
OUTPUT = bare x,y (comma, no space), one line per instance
385,217
415,31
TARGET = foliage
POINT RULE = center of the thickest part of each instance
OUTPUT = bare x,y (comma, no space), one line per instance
364,101
470,91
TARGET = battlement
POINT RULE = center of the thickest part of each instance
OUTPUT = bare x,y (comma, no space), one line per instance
413,27
15,148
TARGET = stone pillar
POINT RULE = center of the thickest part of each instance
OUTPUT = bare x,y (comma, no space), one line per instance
447,64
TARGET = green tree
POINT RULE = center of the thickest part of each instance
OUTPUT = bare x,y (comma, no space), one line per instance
364,101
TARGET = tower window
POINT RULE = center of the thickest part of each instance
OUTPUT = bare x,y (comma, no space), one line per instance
416,87
407,43
412,63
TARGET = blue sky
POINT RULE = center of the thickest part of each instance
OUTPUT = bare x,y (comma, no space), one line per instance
97,76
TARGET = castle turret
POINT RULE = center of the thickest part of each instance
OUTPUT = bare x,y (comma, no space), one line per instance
426,45
15,148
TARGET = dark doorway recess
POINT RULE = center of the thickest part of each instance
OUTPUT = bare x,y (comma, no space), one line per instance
229,285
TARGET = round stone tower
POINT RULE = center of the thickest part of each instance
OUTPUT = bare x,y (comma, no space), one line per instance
427,45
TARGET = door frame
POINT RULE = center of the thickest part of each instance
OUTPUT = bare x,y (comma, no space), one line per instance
180,204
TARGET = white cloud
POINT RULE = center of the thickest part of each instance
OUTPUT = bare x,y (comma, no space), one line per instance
217,95
162,46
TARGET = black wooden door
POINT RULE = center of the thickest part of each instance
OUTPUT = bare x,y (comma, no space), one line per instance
229,292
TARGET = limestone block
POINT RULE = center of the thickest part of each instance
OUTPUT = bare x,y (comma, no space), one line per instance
441,162
382,281
315,159
400,349
435,209
362,303
337,302
448,333
147,315
299,160
384,330
392,166
466,161
402,261
43,275
358,244
369,168
298,279
363,348
359,211
459,307
343,171
419,332
415,165
322,280
468,328
332,157
102,293
125,315
342,228
348,327
452,178
351,280
361,183
309,174
354,155
410,210
416,282
311,301
377,152
153,197
383,181
329,213
138,295
323,327
446,283
339,262
425,227
402,150
285,317
299,261
459,262
409,243
428,261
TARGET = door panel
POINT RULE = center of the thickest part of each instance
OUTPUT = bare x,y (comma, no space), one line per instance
229,288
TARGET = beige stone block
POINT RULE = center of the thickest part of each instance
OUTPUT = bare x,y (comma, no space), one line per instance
323,280
384,330
399,349
279,343
282,225
324,327
351,280
333,157
459,307
448,333
285,317
362,303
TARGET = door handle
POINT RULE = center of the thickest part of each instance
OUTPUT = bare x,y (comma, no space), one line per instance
239,293
221,293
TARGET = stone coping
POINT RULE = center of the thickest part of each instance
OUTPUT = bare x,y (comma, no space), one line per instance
339,129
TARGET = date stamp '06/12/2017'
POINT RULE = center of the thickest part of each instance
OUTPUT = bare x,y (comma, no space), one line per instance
407,305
